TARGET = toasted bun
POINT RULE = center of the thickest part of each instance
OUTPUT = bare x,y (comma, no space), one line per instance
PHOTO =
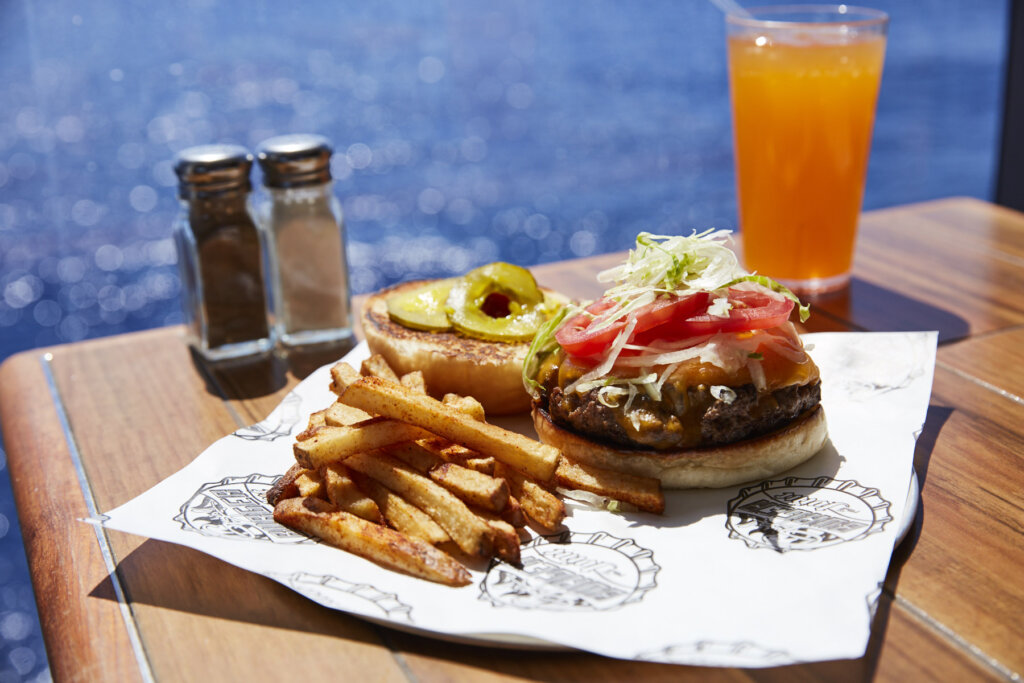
491,372
714,467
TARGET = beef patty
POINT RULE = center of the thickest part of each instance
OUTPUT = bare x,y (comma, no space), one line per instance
687,417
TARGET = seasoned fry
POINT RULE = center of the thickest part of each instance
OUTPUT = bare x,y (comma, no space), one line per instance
341,415
459,455
465,404
539,504
376,366
377,543
643,492
285,486
395,401
329,444
415,456
471,486
342,374
414,381
506,538
309,484
513,513
468,531
343,492
400,513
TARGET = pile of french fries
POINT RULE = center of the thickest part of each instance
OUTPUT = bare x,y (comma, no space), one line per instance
412,483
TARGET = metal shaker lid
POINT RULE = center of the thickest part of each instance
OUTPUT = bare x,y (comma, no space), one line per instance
295,160
208,169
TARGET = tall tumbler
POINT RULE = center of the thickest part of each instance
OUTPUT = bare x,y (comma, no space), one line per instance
804,83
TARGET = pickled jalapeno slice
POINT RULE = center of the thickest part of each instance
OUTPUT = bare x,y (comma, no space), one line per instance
423,308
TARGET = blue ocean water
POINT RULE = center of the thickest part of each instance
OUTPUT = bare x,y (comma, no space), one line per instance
465,132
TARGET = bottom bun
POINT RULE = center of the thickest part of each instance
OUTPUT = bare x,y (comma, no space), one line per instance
714,467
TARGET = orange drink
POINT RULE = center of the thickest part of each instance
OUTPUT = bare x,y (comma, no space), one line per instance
804,83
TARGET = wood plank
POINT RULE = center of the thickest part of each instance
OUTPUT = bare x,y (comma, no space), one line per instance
961,565
986,226
996,359
197,616
63,555
915,271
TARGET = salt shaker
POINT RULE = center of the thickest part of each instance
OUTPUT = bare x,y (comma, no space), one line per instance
220,254
303,223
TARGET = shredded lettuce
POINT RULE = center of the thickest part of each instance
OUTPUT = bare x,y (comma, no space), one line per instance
543,343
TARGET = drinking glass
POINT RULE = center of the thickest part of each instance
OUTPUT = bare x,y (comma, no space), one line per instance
804,83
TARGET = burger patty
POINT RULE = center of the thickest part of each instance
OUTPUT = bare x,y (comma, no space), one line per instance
686,417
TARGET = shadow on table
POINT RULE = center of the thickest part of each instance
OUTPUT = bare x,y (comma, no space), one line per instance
867,306
182,579
246,379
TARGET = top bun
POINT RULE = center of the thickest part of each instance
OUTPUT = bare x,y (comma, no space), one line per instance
490,372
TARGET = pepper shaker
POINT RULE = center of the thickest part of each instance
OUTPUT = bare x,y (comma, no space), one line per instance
303,223
220,254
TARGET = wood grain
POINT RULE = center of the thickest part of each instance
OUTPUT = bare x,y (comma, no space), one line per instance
996,359
962,566
63,554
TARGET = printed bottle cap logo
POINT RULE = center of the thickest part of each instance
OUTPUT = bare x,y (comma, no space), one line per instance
712,653
236,507
798,513
360,598
276,425
573,571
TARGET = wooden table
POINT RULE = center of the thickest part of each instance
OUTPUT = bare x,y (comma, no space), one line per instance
90,425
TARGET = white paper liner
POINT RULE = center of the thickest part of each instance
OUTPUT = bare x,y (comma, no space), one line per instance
770,573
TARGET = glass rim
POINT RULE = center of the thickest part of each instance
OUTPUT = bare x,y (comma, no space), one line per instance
833,16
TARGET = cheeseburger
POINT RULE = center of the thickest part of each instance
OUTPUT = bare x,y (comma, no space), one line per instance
688,369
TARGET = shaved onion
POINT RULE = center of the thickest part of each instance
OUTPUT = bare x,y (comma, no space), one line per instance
723,393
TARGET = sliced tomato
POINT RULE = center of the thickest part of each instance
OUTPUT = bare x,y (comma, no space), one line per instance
672,318
751,310
580,338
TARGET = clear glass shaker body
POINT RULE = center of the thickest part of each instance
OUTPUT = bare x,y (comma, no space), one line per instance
220,257
305,228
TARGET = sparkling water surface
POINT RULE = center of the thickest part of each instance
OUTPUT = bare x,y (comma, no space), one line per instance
465,132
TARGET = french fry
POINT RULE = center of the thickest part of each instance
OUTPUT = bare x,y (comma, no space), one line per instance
506,538
459,455
376,366
343,492
513,512
342,374
329,444
469,532
471,486
341,415
643,492
395,401
414,381
416,456
465,404
285,486
539,504
310,484
400,513
377,543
